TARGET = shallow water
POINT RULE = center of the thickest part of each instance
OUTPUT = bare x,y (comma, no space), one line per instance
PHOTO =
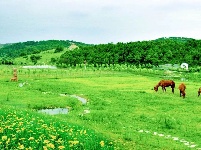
83,100
54,111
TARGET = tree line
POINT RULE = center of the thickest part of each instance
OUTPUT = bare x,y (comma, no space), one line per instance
12,50
173,50
25,48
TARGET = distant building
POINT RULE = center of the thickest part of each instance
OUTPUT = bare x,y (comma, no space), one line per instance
184,66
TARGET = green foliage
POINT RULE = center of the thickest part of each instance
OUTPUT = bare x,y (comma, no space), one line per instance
148,53
33,47
58,49
35,58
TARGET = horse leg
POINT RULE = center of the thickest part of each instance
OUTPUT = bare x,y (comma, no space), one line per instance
163,88
173,90
180,93
183,93
198,93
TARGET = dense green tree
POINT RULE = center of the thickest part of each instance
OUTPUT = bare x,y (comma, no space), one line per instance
35,58
58,49
167,50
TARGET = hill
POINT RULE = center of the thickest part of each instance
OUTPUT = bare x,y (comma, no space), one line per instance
33,47
173,50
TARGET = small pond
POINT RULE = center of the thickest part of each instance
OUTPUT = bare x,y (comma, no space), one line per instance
54,111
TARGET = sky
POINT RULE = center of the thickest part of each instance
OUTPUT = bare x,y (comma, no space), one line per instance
98,21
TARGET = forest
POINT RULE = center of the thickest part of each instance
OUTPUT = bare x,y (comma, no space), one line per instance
146,53
172,50
12,50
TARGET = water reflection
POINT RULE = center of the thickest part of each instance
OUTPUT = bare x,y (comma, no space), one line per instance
54,111
83,100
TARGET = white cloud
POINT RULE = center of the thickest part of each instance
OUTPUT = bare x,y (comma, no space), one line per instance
100,21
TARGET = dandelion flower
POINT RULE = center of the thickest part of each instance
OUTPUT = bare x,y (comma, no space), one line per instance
61,147
4,138
1,130
53,137
102,143
8,141
50,145
21,147
31,138
85,131
46,141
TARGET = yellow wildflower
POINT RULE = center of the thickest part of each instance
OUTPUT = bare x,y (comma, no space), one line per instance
31,138
53,137
50,145
46,141
72,143
45,148
59,141
61,147
71,130
44,125
4,138
22,139
8,141
1,130
85,131
102,143
19,118
20,123
21,146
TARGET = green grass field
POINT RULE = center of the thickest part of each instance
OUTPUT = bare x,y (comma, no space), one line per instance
125,111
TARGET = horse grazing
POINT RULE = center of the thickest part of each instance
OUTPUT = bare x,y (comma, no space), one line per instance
199,91
182,88
165,83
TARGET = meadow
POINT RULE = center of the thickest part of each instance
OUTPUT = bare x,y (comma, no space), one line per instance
124,111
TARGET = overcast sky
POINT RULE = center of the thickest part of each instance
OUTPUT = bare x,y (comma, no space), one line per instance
98,21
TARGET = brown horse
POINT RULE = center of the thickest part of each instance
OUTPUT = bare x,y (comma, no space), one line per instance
199,91
182,88
165,83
